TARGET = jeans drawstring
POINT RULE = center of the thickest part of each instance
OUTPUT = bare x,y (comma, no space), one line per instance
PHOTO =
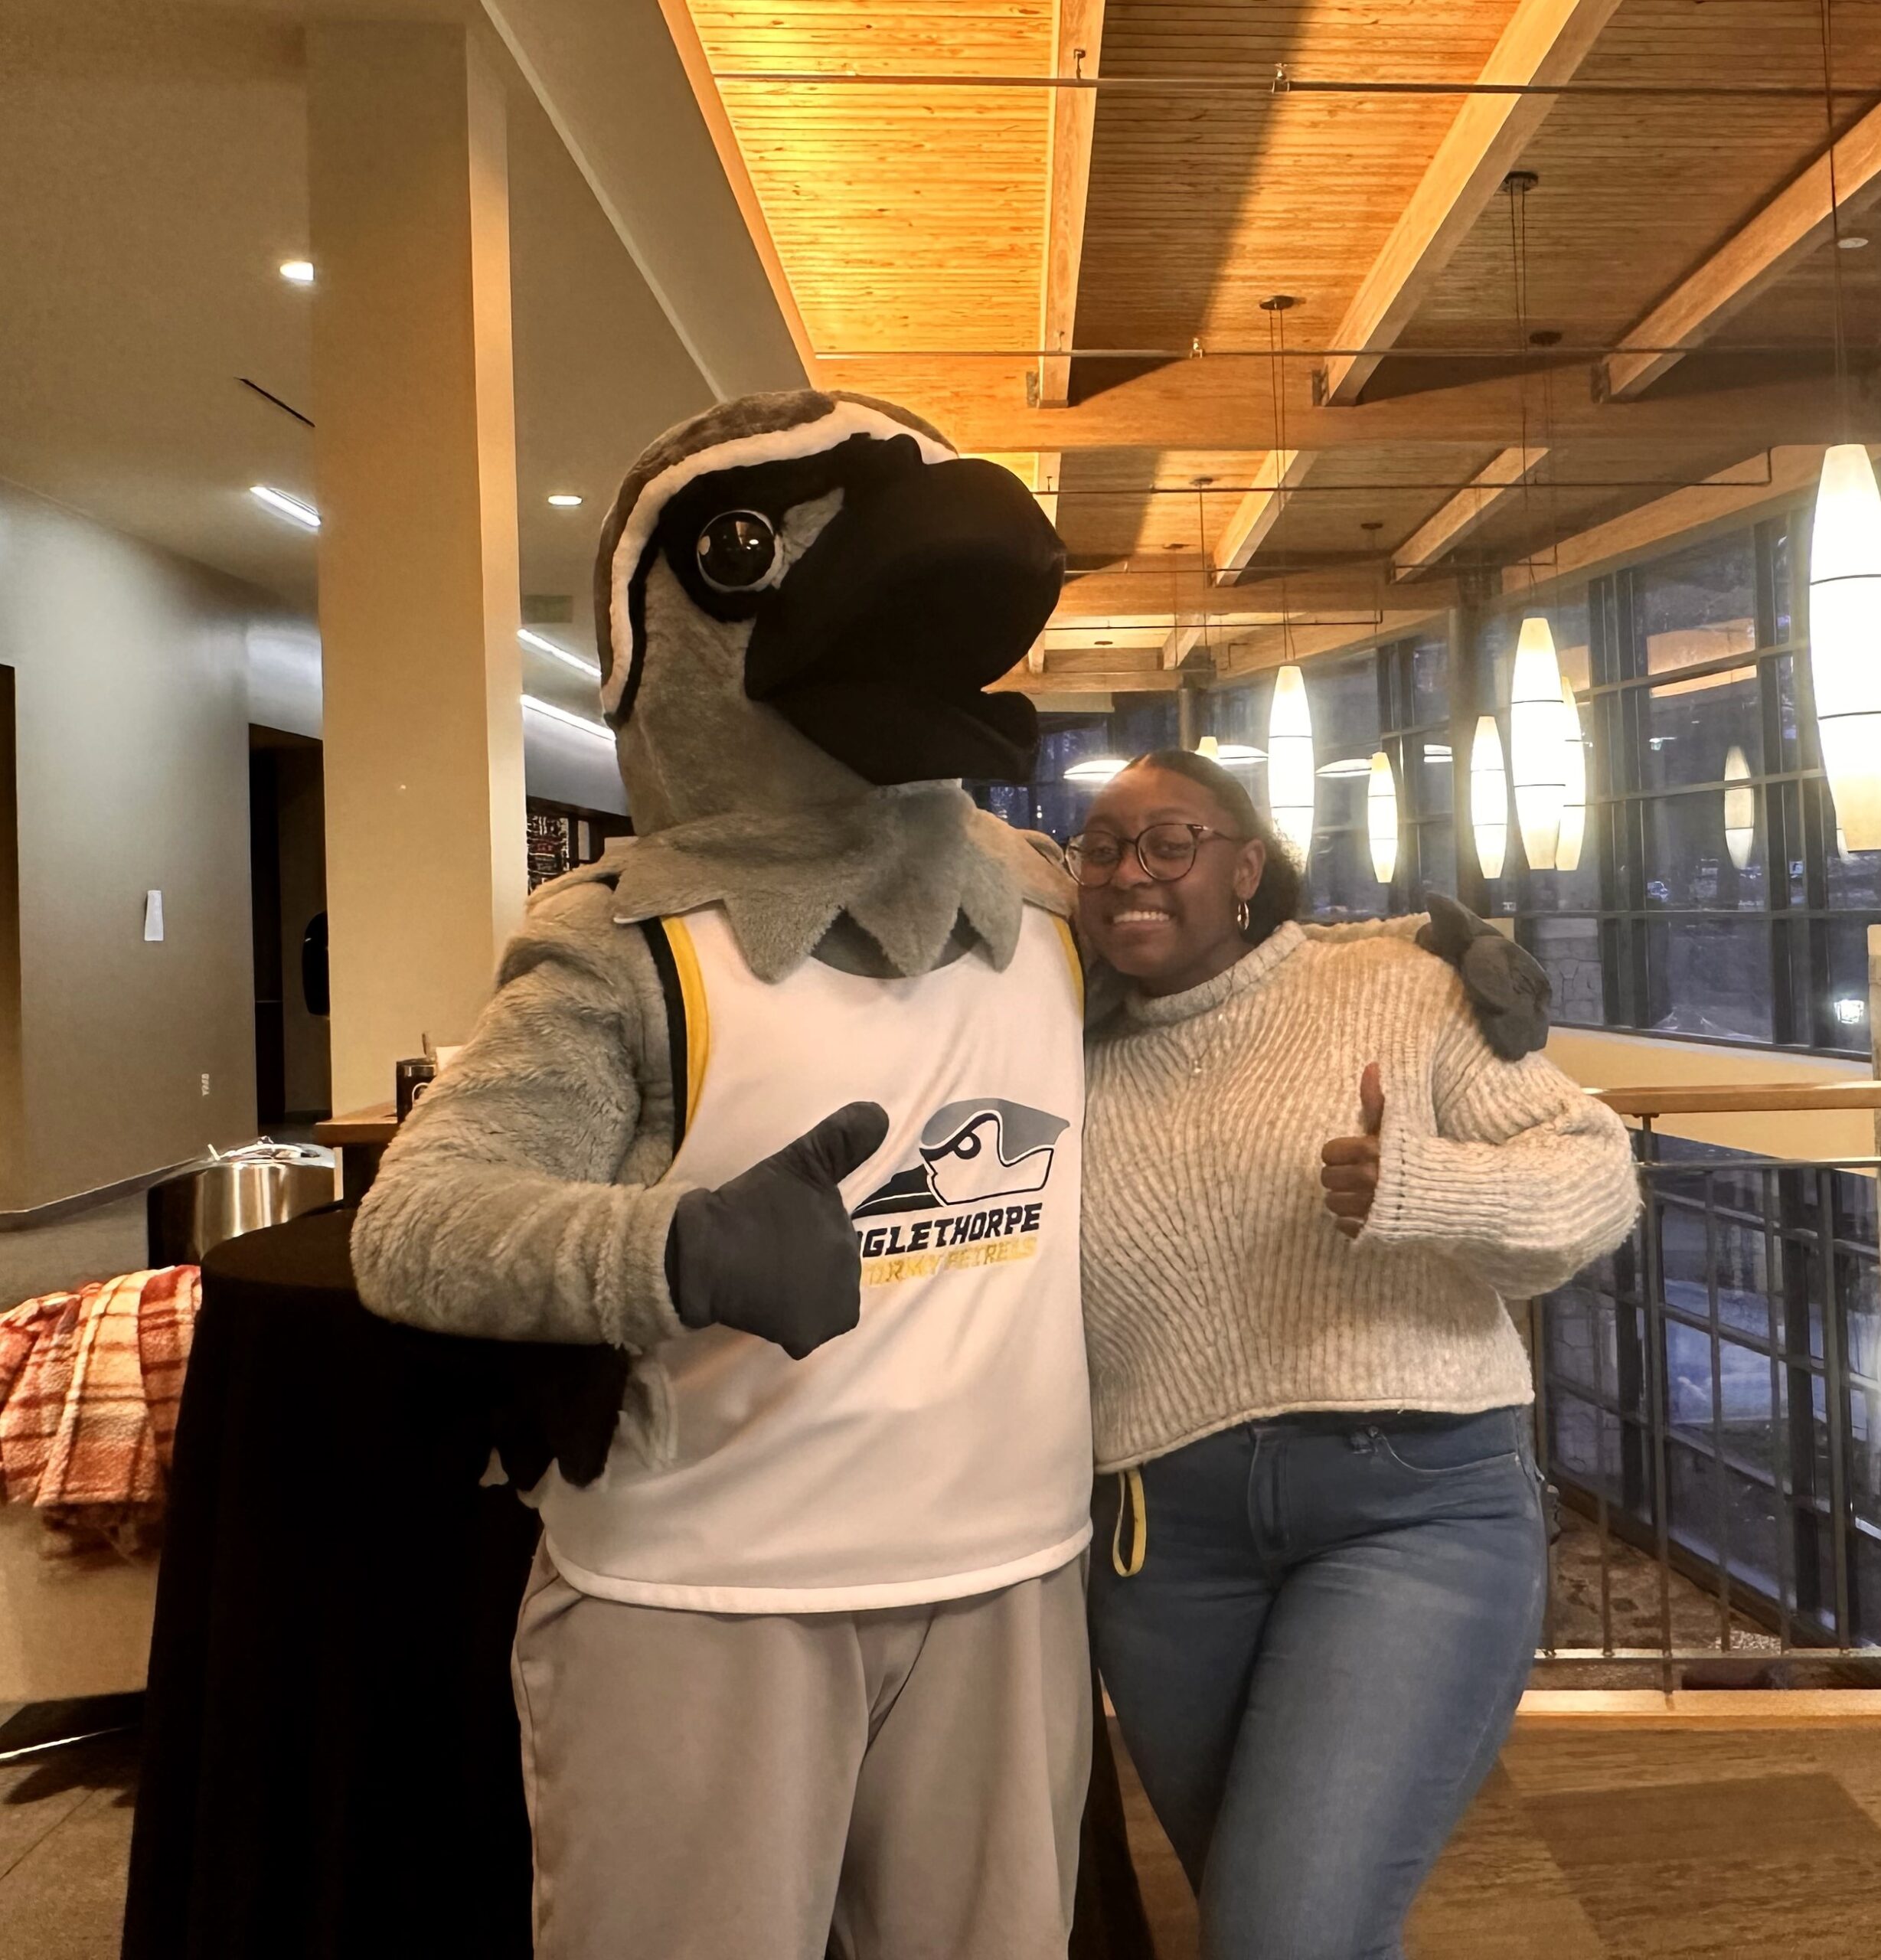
1130,1496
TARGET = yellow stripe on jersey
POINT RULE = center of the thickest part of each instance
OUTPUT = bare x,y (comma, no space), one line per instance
1071,954
698,1019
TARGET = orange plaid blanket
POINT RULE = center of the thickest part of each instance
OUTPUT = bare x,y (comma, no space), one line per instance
90,1384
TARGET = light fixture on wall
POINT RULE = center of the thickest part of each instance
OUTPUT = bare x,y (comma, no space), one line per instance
1567,850
1740,808
298,272
283,505
1537,752
566,716
564,500
542,644
1346,768
1093,770
1290,763
1489,797
1381,819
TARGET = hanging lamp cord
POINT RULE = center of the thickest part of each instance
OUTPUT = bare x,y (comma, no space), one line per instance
1835,223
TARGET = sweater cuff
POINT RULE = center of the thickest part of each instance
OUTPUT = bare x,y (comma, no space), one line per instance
1431,1191
637,1312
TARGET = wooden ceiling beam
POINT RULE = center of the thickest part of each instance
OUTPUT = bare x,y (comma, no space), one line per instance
1244,533
1271,647
1444,531
1792,472
1545,42
1766,245
1077,42
1185,597
1210,405
1074,680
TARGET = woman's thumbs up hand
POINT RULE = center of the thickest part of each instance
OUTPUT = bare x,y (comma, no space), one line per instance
1348,1165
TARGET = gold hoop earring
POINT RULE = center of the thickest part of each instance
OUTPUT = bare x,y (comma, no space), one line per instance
1241,916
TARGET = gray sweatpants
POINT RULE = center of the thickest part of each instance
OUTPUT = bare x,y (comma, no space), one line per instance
713,1787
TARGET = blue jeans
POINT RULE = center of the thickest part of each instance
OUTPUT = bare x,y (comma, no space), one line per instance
1319,1659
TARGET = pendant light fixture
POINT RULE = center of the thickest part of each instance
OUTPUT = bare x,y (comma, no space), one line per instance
1537,750
1489,797
1845,582
1381,818
1567,851
1740,808
1290,763
1845,638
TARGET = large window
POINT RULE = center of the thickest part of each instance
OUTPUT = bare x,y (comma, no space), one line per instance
1713,900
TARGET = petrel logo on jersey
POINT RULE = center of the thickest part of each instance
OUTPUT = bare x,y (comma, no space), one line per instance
971,1151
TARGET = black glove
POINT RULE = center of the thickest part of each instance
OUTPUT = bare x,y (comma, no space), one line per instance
555,1404
1506,987
773,1252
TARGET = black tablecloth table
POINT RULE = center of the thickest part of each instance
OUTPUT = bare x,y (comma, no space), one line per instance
330,1750
331,1767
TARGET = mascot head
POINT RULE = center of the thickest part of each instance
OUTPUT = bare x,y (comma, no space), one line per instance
800,596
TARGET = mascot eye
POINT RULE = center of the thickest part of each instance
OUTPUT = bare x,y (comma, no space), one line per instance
736,550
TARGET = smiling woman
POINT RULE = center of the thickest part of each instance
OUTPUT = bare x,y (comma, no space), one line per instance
1310,1182
1178,872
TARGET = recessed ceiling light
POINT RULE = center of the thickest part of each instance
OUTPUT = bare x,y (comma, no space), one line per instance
288,507
1852,242
1094,768
297,272
567,716
564,500
561,653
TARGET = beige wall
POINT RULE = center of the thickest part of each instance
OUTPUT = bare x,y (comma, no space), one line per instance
1603,1060
132,713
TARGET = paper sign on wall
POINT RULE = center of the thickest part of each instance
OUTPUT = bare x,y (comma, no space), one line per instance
153,916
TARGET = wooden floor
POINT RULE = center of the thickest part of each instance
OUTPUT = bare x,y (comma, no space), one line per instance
1584,1845
1622,1844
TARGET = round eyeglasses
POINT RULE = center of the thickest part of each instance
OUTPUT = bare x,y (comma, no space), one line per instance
1166,851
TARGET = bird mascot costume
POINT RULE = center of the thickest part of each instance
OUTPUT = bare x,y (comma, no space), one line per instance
772,1128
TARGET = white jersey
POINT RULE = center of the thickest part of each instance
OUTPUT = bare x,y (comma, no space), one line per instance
942,1447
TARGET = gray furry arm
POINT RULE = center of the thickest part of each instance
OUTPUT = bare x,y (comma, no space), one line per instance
495,1212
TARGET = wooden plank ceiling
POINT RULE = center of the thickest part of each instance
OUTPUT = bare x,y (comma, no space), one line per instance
930,235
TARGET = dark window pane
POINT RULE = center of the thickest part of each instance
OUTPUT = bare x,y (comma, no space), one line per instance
1699,605
1431,775
1843,1008
1435,867
1569,950
1797,743
1724,1517
1339,878
1709,977
1854,878
1692,843
1691,727
1342,696
1583,1444
1782,570
1577,1325
1430,682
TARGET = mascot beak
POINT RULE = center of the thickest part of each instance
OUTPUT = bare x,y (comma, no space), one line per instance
922,588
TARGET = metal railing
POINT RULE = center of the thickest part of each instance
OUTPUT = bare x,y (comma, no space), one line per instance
1708,1407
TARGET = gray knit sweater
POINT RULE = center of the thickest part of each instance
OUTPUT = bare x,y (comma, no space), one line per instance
1218,1288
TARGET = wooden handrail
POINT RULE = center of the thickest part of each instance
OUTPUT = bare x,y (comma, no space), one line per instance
376,1124
1727,1100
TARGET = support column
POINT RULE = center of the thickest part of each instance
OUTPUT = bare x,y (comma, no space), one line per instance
415,465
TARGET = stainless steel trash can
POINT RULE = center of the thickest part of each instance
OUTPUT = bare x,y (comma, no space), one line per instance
262,1184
